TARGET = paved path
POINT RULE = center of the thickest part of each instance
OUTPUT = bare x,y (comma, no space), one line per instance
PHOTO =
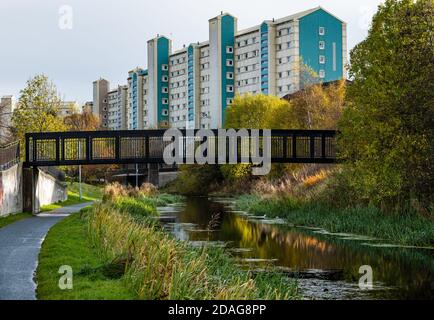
20,243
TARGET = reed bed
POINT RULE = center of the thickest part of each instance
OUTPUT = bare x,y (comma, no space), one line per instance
156,266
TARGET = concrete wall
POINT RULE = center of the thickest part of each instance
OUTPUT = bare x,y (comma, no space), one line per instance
16,192
11,192
166,177
49,190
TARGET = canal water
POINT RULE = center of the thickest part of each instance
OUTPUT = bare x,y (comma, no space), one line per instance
325,265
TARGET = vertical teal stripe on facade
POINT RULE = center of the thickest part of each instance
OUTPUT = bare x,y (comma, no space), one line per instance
264,58
191,93
162,59
309,43
227,40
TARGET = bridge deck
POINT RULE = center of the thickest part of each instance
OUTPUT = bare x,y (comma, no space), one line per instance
147,146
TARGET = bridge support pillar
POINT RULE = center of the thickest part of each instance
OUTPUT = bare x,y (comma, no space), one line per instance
30,197
153,178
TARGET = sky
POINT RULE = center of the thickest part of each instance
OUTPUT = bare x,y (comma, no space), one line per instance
75,42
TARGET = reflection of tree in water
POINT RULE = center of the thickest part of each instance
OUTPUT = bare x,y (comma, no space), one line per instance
303,251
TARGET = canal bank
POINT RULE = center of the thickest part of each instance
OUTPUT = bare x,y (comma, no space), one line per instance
102,256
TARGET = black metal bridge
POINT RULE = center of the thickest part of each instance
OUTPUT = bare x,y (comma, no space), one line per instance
147,146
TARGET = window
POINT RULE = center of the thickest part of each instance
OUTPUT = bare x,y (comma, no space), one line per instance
229,49
165,78
229,75
322,74
322,45
322,59
229,62
321,31
165,101
164,67
229,101
230,88
165,112
279,47
165,89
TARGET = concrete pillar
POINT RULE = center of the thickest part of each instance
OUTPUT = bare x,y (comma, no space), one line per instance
36,207
30,196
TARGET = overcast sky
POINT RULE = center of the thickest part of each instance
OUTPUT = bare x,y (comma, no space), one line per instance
107,38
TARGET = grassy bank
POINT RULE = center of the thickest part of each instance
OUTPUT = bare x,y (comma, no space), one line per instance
405,229
89,193
67,243
117,246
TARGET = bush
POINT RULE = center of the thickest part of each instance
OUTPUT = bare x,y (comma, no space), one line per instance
196,180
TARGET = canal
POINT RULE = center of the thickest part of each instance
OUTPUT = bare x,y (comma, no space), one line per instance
325,265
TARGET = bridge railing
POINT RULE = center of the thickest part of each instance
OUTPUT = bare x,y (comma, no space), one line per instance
9,155
147,146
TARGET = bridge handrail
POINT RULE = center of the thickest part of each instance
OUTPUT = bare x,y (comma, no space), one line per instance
9,155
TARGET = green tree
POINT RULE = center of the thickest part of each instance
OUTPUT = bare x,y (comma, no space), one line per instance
37,108
387,131
259,112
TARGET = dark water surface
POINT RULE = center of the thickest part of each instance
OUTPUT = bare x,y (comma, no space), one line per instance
327,265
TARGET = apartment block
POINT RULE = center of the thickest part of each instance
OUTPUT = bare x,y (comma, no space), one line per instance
117,101
68,108
193,86
101,88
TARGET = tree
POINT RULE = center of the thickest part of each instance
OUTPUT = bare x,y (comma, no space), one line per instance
319,106
259,112
86,121
37,108
387,131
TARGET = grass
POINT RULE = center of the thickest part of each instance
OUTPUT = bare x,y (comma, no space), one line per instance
159,267
4,221
67,243
89,193
404,229
117,253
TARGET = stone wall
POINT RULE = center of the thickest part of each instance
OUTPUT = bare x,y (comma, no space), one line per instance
11,192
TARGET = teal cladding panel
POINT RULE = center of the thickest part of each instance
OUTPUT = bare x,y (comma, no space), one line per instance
162,59
227,39
310,39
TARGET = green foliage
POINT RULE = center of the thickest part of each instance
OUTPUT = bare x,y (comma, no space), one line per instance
387,131
67,243
196,179
37,108
259,112
233,172
136,206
